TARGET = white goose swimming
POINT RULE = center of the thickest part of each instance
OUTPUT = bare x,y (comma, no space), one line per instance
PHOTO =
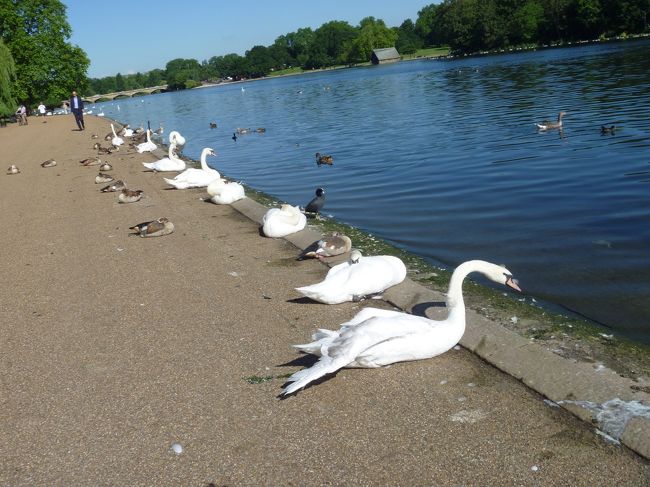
176,138
359,277
169,163
283,221
225,193
116,141
196,178
147,146
377,337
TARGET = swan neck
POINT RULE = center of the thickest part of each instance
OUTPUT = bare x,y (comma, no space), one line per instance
455,293
171,151
204,164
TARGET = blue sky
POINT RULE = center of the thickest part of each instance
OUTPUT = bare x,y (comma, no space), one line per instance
131,36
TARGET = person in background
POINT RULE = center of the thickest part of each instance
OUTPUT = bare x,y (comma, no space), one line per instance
77,108
21,115
41,111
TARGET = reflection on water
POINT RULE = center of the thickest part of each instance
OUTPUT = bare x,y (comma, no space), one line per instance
442,158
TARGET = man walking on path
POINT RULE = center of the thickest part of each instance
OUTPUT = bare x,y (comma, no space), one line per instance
77,107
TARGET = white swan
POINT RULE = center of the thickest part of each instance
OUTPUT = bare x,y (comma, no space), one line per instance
196,178
147,146
127,132
376,337
279,222
176,138
225,193
169,163
359,277
116,141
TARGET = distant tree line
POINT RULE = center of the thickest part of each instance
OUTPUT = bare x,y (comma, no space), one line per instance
464,25
37,63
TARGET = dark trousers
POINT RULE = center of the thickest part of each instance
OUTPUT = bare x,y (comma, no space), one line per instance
79,118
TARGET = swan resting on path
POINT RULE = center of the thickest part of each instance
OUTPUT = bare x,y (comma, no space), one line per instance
196,178
359,277
378,337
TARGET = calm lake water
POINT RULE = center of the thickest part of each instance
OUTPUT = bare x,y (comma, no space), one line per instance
443,159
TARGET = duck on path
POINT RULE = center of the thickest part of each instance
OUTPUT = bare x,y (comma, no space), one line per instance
156,228
547,124
103,178
356,279
130,195
112,188
335,244
48,163
378,337
13,169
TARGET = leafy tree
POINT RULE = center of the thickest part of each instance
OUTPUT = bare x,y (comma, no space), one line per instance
426,24
329,43
183,73
119,82
372,34
408,41
7,76
525,22
259,61
48,67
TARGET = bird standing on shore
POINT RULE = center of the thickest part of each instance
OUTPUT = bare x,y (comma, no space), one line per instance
378,337
317,203
547,124
156,228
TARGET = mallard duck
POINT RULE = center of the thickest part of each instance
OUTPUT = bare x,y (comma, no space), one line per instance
378,337
325,159
13,170
48,163
156,228
130,195
317,203
103,178
357,278
335,244
547,124
112,188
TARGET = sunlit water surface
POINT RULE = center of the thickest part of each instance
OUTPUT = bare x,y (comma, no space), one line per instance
442,158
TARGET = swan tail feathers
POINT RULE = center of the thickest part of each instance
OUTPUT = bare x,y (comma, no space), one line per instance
149,165
326,365
321,338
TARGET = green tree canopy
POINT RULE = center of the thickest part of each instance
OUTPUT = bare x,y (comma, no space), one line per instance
7,77
48,67
183,73
372,34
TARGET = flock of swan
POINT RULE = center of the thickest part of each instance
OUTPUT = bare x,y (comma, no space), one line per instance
373,337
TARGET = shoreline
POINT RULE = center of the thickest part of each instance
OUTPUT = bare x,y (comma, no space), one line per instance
116,347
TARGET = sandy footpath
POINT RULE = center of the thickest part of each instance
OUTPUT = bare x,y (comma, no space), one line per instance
113,348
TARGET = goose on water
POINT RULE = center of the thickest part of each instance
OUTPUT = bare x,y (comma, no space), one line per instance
359,277
378,337
547,124
283,221
170,163
196,178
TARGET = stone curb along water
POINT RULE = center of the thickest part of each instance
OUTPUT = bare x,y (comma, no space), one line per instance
561,380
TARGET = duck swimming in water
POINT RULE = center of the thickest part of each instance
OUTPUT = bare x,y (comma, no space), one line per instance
547,124
324,159
608,130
